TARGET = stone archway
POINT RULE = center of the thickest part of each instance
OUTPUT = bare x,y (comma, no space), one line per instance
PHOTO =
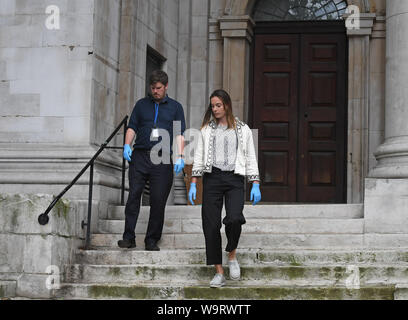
244,7
236,28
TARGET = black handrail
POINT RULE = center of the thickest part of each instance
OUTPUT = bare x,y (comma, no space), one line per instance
44,218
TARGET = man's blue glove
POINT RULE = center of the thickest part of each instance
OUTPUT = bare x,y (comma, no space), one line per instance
127,152
255,193
179,165
192,193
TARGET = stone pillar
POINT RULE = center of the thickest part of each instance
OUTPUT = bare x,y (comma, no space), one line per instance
392,156
386,201
215,56
237,34
358,107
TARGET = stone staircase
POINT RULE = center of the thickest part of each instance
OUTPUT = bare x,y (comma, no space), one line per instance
285,252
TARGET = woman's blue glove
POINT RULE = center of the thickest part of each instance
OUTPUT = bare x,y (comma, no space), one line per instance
179,166
255,193
192,193
127,152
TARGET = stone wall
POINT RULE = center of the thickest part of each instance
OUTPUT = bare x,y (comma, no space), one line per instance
45,78
105,73
146,23
58,96
29,252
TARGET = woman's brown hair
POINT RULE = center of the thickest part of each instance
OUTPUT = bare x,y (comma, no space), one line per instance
226,101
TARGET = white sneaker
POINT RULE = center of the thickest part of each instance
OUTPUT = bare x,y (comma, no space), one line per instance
234,269
218,281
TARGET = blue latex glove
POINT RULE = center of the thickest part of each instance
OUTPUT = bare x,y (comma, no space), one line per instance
179,166
255,193
192,193
127,152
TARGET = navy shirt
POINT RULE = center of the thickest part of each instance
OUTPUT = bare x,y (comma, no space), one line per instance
142,121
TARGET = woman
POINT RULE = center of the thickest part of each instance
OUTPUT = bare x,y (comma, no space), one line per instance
225,154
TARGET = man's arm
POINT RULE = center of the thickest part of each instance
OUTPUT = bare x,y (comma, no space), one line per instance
180,146
127,150
130,135
179,165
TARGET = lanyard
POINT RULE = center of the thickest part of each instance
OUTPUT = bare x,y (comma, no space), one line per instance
156,109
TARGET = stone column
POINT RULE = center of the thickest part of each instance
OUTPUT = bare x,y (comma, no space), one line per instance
215,56
358,107
386,201
237,34
392,156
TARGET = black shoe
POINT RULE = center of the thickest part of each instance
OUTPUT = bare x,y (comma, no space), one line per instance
127,244
152,247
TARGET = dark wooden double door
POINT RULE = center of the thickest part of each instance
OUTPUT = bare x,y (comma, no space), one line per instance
299,108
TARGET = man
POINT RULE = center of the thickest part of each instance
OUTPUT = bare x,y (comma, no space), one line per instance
151,116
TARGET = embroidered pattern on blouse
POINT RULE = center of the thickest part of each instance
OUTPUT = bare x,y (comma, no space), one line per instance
224,148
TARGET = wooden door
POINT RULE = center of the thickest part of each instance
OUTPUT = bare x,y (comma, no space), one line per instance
299,97
275,116
322,119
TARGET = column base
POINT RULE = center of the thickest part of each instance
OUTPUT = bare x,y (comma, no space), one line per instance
385,212
392,159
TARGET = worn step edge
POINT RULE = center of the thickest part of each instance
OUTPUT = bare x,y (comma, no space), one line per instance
245,256
336,211
364,274
115,291
275,241
277,226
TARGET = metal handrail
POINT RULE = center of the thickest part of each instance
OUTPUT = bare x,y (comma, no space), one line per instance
44,218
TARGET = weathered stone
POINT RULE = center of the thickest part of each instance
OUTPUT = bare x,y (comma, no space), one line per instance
7,289
81,291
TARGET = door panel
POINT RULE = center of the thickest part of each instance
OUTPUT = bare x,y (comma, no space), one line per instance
276,67
321,119
299,108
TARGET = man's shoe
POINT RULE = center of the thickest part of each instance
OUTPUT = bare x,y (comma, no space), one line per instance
234,269
127,244
152,247
218,281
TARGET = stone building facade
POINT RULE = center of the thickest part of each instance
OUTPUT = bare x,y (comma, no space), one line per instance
63,91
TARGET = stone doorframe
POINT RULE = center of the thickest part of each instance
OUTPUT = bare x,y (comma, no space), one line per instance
234,31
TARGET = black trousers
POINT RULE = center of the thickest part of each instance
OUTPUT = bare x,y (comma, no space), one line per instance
217,186
160,177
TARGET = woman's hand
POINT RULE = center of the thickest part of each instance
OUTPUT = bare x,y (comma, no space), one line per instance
255,193
192,193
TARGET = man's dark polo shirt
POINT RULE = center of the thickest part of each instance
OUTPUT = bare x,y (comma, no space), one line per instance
142,120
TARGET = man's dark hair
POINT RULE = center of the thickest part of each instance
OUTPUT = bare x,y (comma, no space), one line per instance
158,76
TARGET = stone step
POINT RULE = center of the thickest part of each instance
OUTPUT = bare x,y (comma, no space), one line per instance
245,257
401,292
327,275
279,226
278,211
248,240
8,289
203,292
